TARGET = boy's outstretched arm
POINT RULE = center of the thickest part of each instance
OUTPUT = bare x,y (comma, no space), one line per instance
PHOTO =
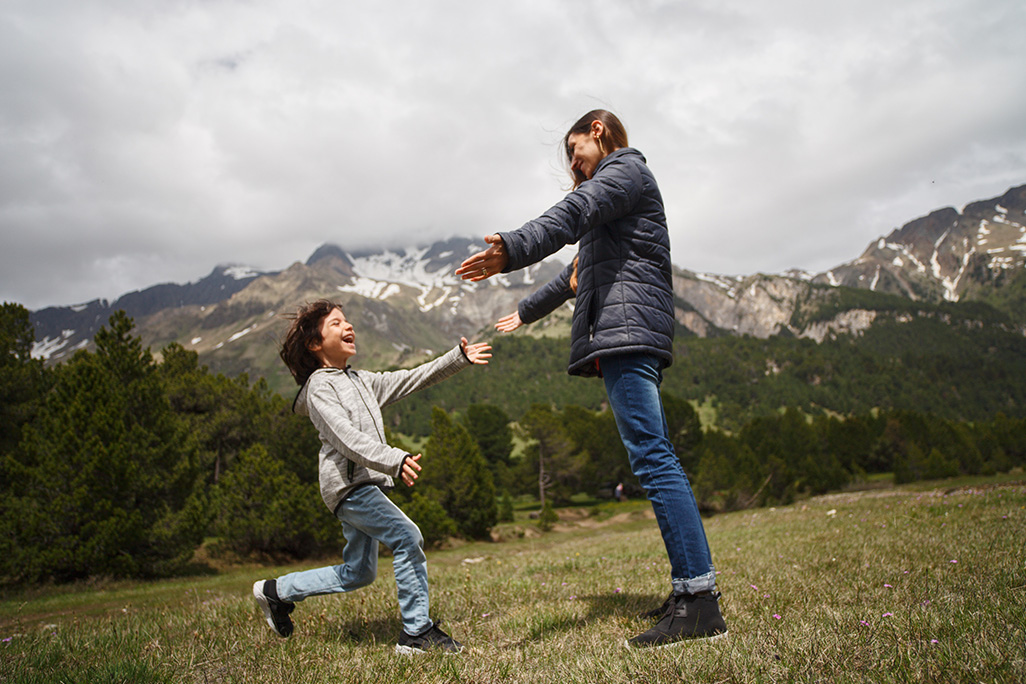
476,353
391,386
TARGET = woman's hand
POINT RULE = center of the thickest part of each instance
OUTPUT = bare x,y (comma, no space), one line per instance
476,353
410,469
486,263
509,323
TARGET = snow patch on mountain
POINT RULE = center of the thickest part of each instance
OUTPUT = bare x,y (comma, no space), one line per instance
726,283
241,272
240,334
235,336
407,268
48,347
370,288
426,305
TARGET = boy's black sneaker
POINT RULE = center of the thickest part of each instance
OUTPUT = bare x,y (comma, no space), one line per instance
434,639
687,617
660,611
276,611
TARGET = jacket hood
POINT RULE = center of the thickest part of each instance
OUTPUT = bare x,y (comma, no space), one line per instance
299,404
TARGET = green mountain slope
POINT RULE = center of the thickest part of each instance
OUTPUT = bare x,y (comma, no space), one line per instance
958,361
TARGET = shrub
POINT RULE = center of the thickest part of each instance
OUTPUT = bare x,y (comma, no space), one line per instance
263,509
547,518
431,518
505,507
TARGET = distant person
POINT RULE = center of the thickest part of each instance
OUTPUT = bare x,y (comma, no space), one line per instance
622,330
355,465
619,491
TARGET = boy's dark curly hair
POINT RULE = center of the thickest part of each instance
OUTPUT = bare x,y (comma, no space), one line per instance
305,330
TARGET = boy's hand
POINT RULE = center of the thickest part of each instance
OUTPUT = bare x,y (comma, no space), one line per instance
509,323
476,353
410,469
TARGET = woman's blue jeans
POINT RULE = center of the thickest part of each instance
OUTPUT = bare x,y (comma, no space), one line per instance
632,385
369,517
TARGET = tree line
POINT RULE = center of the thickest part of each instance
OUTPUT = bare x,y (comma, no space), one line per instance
113,463
947,360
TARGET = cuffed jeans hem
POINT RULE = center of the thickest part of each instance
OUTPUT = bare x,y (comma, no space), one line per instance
695,585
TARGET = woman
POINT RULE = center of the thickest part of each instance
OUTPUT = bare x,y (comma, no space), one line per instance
622,330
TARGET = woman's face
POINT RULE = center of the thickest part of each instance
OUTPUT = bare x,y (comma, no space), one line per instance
585,152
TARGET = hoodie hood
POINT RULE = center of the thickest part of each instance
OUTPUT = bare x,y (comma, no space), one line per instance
300,404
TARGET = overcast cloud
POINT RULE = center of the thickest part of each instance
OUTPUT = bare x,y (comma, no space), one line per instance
148,141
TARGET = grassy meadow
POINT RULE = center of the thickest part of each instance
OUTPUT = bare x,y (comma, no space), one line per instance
925,583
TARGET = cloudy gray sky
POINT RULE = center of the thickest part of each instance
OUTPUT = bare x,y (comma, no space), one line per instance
146,141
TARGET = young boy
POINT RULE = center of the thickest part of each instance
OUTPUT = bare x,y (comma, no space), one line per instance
355,464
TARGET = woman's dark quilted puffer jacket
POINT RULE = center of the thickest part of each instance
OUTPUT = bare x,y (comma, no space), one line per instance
625,289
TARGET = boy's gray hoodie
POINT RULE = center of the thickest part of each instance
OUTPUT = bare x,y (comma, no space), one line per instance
345,407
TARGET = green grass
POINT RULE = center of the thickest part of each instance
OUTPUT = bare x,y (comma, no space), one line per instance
903,585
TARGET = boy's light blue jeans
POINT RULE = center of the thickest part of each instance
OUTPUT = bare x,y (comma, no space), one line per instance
369,517
632,385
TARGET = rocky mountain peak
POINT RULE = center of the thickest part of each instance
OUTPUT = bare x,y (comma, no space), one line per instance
944,254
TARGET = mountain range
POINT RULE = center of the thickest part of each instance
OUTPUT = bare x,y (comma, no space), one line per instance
408,305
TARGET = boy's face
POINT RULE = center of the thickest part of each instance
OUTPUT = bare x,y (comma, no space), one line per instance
338,341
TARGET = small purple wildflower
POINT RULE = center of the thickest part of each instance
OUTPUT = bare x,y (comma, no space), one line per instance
888,586
887,615
776,616
617,590
864,623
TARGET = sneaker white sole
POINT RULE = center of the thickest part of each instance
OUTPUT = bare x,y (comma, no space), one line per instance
411,651
261,599
679,642
408,651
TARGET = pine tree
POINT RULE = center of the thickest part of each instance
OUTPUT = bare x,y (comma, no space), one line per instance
457,476
553,457
263,509
489,426
102,486
22,378
435,524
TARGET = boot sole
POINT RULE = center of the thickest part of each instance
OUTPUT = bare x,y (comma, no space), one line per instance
679,642
412,651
